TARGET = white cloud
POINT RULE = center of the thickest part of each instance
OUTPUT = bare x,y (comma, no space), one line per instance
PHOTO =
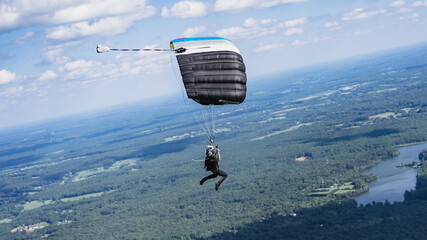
186,9
397,3
23,13
227,5
126,65
12,92
292,31
53,54
142,62
194,31
405,10
294,26
296,22
250,22
412,17
360,13
250,29
94,9
402,10
48,75
268,47
80,64
298,43
234,32
6,77
420,4
331,24
81,70
22,39
104,27
268,21
253,28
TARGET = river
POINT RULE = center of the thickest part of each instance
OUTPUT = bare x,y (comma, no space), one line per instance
392,182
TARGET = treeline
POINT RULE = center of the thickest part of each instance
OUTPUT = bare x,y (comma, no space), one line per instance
341,220
421,186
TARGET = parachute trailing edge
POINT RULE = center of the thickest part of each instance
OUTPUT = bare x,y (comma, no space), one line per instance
212,70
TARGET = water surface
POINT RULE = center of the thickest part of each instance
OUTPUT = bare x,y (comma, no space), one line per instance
392,182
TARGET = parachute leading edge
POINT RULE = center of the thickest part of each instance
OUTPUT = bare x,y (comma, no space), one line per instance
212,70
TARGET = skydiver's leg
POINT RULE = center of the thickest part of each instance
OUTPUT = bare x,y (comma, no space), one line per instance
213,175
222,174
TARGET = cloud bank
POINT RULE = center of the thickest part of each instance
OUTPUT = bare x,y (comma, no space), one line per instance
6,77
360,13
194,31
186,9
251,28
229,5
74,18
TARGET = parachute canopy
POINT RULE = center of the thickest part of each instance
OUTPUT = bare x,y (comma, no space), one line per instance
212,70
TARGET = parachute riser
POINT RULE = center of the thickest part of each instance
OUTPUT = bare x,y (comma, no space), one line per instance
102,49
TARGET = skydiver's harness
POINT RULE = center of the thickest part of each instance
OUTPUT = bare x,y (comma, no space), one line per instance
211,162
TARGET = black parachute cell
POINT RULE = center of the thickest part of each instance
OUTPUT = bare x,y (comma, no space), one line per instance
212,70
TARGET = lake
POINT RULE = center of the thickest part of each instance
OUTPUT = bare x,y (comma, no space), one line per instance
392,182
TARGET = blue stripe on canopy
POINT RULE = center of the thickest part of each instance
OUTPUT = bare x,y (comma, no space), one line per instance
197,39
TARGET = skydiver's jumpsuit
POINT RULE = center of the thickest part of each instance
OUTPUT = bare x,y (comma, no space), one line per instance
211,164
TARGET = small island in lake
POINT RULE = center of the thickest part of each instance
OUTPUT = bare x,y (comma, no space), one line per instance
413,164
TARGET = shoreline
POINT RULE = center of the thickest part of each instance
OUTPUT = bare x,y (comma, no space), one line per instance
391,193
410,144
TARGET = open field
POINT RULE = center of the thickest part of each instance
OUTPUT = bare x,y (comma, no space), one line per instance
345,188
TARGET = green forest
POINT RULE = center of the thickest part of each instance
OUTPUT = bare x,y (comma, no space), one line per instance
343,219
126,174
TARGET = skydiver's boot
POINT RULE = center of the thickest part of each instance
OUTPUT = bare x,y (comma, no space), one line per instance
217,186
201,182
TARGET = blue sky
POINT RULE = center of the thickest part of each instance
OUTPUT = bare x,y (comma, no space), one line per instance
49,66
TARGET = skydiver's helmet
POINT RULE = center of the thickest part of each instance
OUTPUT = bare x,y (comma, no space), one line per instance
209,148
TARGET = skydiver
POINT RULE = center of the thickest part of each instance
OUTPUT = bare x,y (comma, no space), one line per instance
210,147
212,164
